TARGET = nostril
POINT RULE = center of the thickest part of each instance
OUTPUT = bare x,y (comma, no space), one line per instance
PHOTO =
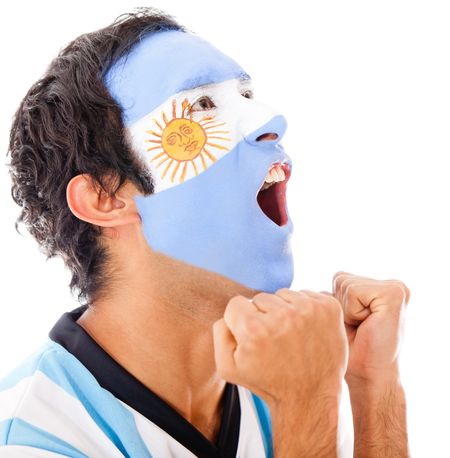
267,137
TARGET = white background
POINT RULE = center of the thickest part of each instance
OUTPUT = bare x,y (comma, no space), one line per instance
365,87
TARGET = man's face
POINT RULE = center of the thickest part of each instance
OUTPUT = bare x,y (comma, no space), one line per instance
219,170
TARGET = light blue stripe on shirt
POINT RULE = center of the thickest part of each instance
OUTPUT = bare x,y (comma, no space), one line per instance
26,368
266,425
15,431
62,368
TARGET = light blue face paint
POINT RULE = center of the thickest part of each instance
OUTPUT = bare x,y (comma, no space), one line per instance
212,220
162,65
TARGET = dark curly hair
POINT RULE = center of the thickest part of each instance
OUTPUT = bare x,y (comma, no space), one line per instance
68,124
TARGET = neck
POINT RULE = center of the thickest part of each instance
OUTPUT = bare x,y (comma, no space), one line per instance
151,323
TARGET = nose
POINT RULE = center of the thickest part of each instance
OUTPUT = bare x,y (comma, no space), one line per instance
267,137
269,133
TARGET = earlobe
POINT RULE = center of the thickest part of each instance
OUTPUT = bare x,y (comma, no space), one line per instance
88,202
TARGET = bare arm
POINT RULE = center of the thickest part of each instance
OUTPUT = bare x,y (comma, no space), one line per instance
374,313
305,430
379,420
275,346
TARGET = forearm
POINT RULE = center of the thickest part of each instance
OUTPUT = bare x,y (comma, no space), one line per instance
303,430
379,419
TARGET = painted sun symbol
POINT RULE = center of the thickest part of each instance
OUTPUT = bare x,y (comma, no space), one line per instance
182,141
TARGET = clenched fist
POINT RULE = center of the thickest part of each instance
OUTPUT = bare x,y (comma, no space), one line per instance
285,347
373,315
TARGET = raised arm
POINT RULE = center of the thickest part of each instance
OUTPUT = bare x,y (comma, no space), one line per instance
290,349
374,315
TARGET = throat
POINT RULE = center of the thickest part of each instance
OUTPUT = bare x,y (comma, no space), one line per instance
190,384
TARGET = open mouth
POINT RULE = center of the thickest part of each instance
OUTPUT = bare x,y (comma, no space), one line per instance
272,194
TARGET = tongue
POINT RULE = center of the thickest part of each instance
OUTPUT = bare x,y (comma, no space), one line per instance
273,203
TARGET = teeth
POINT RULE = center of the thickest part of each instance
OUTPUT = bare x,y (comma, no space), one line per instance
275,174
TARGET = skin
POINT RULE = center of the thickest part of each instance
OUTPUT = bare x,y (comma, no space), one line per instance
170,306
374,315
265,344
158,310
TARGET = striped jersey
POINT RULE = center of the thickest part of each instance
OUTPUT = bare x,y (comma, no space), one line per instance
72,399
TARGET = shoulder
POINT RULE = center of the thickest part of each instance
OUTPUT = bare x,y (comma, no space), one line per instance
16,386
47,402
48,370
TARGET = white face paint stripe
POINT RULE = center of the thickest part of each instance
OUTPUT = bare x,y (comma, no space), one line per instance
177,146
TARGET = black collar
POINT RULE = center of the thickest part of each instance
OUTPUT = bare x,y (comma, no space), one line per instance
124,386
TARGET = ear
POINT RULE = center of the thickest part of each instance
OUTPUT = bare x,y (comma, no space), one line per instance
90,203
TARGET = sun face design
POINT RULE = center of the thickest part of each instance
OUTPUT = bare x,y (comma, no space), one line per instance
183,143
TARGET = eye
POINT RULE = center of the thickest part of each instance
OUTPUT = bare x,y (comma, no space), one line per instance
202,104
248,94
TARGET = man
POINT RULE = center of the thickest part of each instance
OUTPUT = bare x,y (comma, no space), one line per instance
142,158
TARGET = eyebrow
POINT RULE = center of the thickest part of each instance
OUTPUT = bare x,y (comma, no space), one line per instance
204,80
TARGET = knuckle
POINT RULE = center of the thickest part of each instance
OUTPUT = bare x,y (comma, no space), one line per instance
254,326
287,313
346,283
233,304
236,300
338,277
350,290
277,316
342,279
282,320
334,307
263,296
291,313
332,302
338,274
400,292
283,291
291,296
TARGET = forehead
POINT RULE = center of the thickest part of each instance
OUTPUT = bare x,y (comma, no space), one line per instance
163,64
